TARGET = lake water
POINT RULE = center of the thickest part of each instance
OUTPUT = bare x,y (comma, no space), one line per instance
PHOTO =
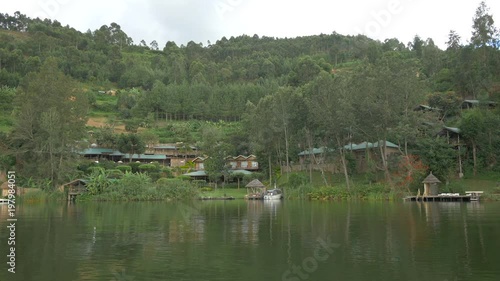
255,240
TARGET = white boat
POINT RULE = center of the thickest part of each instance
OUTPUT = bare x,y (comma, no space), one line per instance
273,194
474,195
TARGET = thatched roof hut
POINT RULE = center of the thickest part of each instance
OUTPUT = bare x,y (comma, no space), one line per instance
255,187
78,183
431,179
430,185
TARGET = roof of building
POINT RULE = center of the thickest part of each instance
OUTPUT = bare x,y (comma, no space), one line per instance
255,183
173,147
426,108
196,174
479,101
96,151
245,172
241,157
315,151
83,181
431,179
350,146
452,129
365,145
146,156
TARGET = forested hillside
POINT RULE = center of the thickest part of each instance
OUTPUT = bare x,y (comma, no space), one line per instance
286,94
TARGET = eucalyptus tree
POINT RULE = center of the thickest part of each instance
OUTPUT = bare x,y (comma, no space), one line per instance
50,119
481,130
332,107
484,31
261,132
387,93
477,67
217,149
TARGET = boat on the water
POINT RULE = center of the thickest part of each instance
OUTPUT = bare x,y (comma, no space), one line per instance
273,194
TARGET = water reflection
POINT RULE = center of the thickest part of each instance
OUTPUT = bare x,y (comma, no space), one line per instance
230,240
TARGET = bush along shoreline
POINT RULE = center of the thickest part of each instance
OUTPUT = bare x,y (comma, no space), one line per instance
139,187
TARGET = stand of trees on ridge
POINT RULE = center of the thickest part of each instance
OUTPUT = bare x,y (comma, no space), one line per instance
286,94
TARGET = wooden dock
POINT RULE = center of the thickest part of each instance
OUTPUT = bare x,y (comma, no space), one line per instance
439,198
254,196
217,198
73,192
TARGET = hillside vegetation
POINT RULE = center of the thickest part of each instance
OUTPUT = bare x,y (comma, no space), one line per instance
272,97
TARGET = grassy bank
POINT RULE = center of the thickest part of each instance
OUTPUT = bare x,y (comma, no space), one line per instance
224,192
39,196
140,187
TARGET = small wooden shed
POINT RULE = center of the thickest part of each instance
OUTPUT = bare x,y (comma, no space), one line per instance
78,184
431,185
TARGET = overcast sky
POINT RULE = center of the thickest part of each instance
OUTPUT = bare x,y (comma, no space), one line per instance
202,20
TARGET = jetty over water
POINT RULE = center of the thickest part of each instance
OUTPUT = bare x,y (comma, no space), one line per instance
431,193
440,198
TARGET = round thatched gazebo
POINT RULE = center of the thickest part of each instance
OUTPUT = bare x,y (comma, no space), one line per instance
255,187
431,185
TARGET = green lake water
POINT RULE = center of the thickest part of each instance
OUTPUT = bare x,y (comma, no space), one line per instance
255,240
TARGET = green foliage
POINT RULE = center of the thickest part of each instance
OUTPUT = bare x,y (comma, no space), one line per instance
130,143
50,119
134,166
131,185
114,173
296,180
98,181
124,168
438,156
199,183
363,192
447,103
148,168
7,96
453,187
481,130
176,189
322,90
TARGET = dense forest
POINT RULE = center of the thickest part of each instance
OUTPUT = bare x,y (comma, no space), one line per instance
279,95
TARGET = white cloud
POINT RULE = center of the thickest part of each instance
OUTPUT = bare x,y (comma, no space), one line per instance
202,20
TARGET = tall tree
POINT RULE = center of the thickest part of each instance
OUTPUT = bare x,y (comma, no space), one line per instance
484,30
131,144
332,107
50,120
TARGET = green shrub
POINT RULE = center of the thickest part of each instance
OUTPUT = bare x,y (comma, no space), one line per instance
134,166
114,173
176,189
154,176
184,178
148,168
124,168
297,179
167,172
199,183
131,185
